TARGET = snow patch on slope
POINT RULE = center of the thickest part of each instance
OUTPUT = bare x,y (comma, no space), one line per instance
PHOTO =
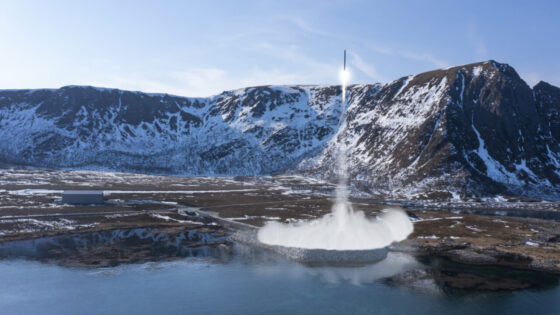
494,169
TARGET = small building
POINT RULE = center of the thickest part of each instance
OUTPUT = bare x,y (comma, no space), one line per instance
81,197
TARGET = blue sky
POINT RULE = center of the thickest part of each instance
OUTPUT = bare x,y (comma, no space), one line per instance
200,48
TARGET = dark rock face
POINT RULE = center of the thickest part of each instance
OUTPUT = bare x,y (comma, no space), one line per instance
472,130
470,281
477,128
547,98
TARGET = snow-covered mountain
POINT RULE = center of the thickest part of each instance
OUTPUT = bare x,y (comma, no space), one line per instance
251,131
476,129
469,130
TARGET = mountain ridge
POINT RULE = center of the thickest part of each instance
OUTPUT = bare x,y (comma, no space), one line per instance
470,130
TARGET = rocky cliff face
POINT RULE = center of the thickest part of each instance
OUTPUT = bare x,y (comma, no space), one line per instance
476,129
250,131
462,131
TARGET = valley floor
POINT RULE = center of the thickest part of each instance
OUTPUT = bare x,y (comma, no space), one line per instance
201,212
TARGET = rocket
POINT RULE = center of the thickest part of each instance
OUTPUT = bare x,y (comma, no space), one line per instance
344,79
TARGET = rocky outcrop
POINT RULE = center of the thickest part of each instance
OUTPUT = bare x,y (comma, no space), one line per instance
459,131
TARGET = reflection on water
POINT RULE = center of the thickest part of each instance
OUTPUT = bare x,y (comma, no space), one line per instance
113,247
249,281
395,263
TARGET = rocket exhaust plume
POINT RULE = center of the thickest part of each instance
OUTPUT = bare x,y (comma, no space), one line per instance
344,78
343,228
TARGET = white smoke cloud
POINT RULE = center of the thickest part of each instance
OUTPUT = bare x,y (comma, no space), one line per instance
343,228
340,230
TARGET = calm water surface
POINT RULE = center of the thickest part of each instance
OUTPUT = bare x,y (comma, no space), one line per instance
245,284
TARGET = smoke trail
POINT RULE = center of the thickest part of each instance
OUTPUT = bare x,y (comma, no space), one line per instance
344,76
343,93
343,228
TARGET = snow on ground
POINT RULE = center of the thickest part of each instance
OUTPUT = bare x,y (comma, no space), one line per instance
248,217
429,237
474,228
167,218
30,225
494,169
40,192
189,192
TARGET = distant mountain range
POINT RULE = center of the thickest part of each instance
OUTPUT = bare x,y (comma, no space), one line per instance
466,131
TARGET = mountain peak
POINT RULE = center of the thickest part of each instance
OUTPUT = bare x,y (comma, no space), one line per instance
545,85
474,129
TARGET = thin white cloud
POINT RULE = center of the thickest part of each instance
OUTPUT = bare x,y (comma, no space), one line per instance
202,82
439,63
288,65
304,26
531,78
378,48
366,68
409,55
479,48
307,67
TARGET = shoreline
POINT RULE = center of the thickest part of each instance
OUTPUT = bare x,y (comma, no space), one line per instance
459,252
30,209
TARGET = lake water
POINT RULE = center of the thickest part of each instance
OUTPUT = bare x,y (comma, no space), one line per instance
247,283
